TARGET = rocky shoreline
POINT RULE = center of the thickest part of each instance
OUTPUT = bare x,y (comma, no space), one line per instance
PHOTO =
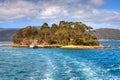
61,46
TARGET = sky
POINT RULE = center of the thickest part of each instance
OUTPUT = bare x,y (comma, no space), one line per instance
94,13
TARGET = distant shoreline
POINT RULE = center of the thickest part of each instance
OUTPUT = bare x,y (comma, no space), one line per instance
107,40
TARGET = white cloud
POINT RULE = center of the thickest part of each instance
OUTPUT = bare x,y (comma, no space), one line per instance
95,15
19,9
82,10
53,12
15,9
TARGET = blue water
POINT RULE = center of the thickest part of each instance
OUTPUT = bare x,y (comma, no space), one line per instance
60,64
5,42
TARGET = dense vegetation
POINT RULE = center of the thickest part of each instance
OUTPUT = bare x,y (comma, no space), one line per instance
66,33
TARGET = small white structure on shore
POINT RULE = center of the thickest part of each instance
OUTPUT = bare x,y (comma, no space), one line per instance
32,46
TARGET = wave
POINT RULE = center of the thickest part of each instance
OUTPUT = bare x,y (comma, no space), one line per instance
114,67
50,69
65,67
83,69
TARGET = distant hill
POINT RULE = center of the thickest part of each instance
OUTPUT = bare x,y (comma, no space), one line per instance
2,29
6,34
108,33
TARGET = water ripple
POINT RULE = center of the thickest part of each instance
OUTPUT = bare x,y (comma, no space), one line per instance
59,64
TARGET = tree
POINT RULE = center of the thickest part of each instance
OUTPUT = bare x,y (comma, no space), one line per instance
45,25
54,28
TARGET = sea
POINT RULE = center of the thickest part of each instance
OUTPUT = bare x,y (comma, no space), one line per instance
60,64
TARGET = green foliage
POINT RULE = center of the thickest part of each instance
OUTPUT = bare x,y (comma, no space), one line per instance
65,33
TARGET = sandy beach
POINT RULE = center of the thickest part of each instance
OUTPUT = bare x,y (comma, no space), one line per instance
86,47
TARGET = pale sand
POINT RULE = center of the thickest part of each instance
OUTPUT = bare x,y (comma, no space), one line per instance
66,47
86,47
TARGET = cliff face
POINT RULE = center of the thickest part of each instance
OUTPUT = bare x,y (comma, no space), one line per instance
108,33
6,34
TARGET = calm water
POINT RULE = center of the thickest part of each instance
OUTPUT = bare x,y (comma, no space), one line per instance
60,64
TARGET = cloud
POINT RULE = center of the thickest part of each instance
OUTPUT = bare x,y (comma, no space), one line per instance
43,9
15,9
97,2
77,10
20,9
96,15
52,12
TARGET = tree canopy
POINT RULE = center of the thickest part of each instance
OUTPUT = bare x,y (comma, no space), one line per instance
66,33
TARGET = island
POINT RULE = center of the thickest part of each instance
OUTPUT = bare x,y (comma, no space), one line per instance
63,35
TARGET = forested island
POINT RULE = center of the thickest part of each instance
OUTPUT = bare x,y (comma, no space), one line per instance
66,33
